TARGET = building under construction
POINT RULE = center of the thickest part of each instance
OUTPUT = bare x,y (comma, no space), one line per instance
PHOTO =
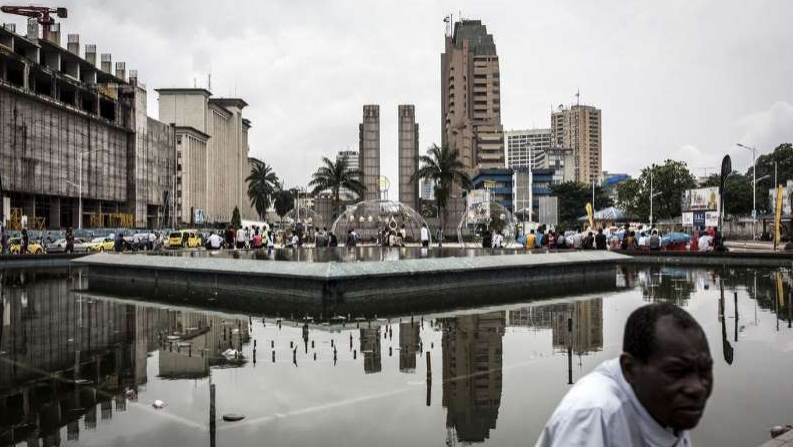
70,128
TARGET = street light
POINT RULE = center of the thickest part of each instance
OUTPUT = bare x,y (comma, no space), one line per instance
80,185
755,212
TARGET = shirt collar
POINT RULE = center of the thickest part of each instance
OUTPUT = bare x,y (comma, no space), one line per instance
653,432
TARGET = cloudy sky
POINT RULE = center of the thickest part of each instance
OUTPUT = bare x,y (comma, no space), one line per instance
677,79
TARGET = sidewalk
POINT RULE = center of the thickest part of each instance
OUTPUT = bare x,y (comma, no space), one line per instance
751,245
784,440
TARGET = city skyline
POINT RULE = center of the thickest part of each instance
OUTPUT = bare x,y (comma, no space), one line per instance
665,77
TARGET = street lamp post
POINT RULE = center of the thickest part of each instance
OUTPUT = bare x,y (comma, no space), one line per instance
79,185
755,211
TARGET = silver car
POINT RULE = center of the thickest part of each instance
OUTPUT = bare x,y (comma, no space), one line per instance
59,246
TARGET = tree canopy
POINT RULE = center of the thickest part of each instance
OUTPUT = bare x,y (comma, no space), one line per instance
765,165
442,165
335,175
738,193
572,198
670,180
262,182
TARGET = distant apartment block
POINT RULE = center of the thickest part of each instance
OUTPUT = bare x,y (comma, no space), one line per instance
526,148
579,128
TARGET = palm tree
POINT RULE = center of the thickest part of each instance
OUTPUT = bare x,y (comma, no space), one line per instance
262,182
442,165
336,175
283,201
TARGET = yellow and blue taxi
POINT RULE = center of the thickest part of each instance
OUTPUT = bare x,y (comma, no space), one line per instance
15,247
99,244
184,238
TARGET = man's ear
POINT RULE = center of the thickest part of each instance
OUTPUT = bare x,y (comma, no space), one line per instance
630,367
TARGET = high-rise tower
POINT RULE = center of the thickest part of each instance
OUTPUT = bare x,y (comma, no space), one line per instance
369,150
470,102
579,128
408,149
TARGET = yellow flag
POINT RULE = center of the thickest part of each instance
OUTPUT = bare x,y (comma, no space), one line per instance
589,209
778,212
780,296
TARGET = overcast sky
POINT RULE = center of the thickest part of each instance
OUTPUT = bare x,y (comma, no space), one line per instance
677,79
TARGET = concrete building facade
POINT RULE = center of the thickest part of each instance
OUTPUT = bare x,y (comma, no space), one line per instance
66,123
471,119
208,191
369,150
526,148
579,128
408,152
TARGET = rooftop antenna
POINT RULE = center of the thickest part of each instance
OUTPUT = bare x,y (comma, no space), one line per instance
577,96
209,81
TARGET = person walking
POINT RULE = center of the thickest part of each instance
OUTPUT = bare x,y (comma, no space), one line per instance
424,236
440,236
351,239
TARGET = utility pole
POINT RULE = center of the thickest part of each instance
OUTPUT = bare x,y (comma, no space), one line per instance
755,211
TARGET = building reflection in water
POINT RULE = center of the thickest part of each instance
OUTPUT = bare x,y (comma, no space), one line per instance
63,354
587,318
369,339
472,374
409,346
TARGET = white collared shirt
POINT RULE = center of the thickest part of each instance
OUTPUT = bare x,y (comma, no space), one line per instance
602,410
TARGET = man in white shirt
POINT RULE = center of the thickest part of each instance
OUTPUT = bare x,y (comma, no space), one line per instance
704,242
242,237
424,236
649,396
215,241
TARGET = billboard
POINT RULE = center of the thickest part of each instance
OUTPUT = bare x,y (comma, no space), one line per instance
701,199
787,196
478,207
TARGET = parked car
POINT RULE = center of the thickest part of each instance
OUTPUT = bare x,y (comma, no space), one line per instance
80,246
15,247
184,238
99,244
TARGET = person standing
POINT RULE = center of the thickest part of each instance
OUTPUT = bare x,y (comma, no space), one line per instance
241,238
214,241
25,241
655,242
530,244
601,240
332,241
69,240
403,234
424,236
257,239
351,239
440,236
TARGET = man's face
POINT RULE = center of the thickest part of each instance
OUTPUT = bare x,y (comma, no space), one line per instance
675,382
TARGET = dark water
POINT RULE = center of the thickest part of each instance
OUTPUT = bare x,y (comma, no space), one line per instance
85,370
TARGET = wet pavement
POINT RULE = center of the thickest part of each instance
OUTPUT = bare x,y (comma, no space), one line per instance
78,369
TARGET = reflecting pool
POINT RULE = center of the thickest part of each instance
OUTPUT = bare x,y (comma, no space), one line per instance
80,369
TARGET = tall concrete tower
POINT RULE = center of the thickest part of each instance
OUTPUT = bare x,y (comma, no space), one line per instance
471,120
579,128
369,150
408,149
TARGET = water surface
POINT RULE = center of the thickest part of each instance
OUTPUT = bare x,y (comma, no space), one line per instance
79,369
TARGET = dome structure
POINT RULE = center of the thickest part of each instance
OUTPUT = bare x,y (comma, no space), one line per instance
486,219
371,217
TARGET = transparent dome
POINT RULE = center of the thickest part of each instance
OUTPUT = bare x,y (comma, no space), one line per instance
485,220
304,216
371,217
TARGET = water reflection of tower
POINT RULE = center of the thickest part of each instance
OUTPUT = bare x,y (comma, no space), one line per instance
370,349
409,346
588,332
472,373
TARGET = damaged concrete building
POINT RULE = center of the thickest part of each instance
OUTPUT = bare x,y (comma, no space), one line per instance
71,129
